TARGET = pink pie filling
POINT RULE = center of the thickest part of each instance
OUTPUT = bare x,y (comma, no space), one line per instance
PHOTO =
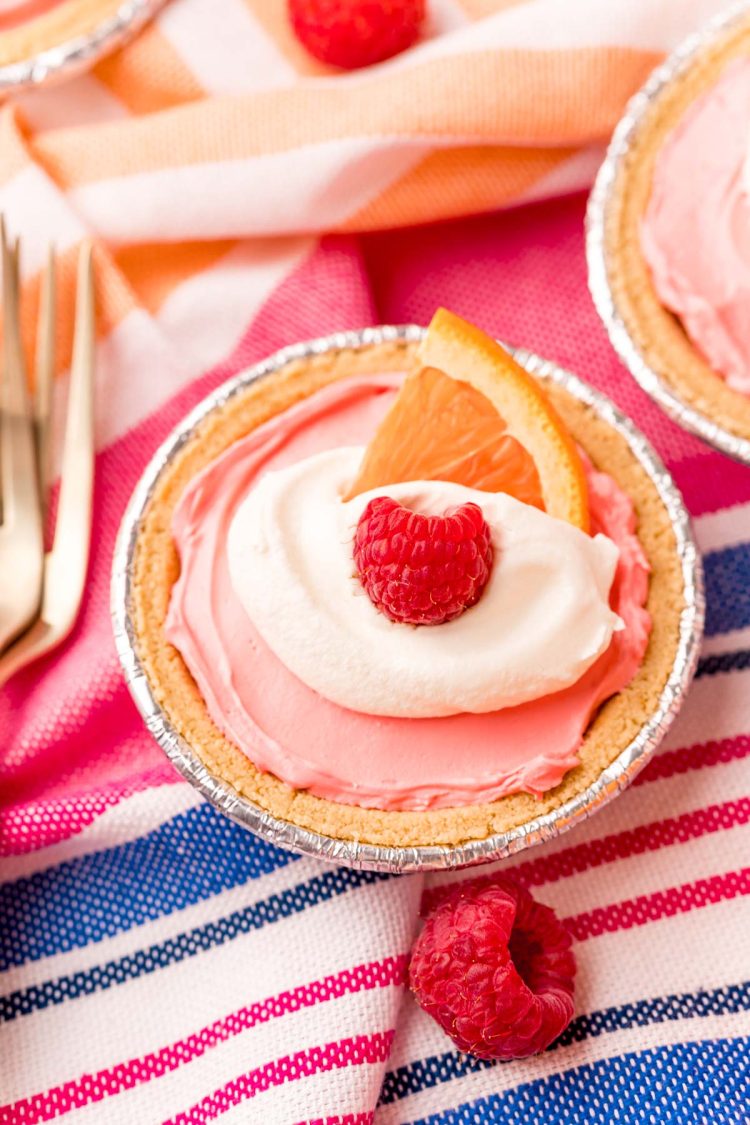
289,730
695,233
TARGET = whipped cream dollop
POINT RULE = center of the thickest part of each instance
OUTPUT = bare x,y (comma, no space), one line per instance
541,622
695,233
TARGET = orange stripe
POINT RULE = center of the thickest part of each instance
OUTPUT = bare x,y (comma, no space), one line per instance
459,181
14,155
142,276
134,277
148,75
557,106
154,271
113,302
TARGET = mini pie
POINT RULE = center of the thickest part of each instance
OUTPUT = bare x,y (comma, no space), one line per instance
156,567
658,334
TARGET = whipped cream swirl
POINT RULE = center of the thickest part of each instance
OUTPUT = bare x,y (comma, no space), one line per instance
542,621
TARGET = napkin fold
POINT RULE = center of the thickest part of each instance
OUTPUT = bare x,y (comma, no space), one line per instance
158,963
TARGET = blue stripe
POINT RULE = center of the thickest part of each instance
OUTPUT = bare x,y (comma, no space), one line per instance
705,1083
727,589
717,662
437,1069
321,888
195,855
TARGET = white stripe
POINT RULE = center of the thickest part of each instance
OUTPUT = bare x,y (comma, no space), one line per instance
137,369
198,325
311,187
679,952
496,1080
726,642
724,528
639,24
716,707
207,313
715,853
363,925
179,1090
130,818
160,929
671,796
646,804
312,1099
81,101
538,25
227,50
592,888
31,193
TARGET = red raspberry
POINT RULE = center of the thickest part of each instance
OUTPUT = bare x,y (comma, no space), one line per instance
495,969
422,570
354,33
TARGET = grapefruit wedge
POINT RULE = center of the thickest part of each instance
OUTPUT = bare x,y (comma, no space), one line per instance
472,415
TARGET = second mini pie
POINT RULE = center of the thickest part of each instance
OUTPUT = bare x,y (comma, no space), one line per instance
669,237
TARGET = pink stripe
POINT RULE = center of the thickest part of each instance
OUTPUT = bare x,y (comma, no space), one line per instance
661,904
619,845
635,841
645,838
358,1050
38,824
702,754
106,1083
709,481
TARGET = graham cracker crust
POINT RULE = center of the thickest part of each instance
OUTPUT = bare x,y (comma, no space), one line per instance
156,567
658,334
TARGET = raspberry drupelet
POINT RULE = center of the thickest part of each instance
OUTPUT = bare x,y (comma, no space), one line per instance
354,33
495,969
422,570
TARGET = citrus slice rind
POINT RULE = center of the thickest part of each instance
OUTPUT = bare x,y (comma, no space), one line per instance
472,415
470,355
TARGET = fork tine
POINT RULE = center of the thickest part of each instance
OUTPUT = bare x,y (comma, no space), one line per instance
67,562
23,547
45,365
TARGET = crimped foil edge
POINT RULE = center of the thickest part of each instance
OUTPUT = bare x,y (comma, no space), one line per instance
598,257
69,58
370,856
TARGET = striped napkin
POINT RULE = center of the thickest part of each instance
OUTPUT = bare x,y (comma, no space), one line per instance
157,963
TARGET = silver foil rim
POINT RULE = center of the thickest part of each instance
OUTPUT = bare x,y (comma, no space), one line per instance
370,856
599,258
69,58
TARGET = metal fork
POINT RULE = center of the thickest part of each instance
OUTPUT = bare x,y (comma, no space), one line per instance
40,594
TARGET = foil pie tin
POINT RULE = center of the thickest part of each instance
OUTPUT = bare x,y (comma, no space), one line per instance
363,855
600,264
65,60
